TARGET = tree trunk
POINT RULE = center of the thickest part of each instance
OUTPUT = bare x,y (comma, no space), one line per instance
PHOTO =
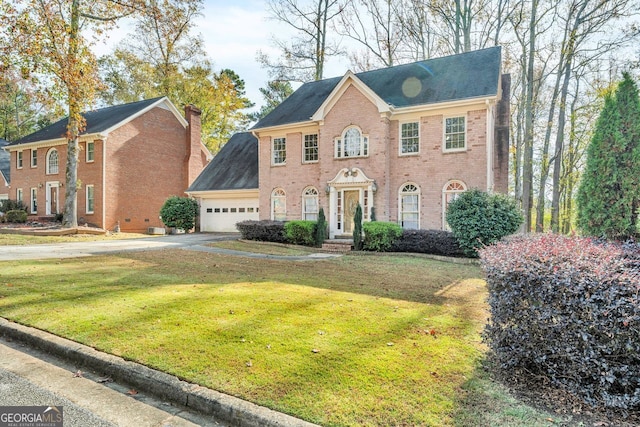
527,166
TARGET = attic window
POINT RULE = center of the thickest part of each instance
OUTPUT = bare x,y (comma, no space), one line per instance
352,143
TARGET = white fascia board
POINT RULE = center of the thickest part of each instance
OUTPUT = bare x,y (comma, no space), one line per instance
54,142
162,103
347,80
480,101
224,194
287,128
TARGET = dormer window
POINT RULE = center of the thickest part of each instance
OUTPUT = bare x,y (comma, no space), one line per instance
352,143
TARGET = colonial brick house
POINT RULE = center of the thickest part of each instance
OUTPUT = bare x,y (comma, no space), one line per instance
403,140
133,157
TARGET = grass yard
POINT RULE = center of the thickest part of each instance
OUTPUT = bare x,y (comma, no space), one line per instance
20,239
354,341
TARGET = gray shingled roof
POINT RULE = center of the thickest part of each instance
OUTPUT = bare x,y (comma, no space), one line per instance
97,121
235,167
5,160
463,76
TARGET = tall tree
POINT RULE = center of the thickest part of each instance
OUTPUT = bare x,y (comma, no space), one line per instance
54,52
609,195
273,94
375,25
305,53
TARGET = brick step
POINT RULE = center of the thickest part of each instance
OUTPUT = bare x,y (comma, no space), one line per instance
341,245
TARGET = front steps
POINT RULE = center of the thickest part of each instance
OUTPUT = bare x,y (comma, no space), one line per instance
338,245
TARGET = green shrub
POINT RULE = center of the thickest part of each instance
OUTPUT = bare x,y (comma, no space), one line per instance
567,310
357,228
264,231
381,236
11,205
321,228
300,232
436,242
479,219
16,216
179,212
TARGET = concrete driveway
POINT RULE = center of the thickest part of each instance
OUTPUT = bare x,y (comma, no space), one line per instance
82,249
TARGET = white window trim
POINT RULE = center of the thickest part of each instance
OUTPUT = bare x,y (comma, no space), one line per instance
273,157
279,193
34,151
308,193
87,160
87,187
304,148
444,134
19,160
19,195
445,226
339,153
48,163
415,153
33,201
418,192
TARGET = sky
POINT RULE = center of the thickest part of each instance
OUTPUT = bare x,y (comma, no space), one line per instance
233,31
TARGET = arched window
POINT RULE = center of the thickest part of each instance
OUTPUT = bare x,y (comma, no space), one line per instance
310,204
450,192
278,205
409,217
52,161
352,143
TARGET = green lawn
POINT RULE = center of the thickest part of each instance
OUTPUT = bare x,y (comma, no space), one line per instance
20,239
354,341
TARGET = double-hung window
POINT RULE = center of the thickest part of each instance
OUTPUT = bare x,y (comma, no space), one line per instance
34,200
455,133
90,152
19,160
310,204
310,148
409,138
90,199
34,158
279,151
410,207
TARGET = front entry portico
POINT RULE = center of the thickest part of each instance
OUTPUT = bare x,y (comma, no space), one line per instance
349,188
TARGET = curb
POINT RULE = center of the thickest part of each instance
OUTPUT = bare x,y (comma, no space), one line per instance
226,408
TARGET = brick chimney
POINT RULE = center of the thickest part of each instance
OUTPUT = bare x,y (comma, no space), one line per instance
194,160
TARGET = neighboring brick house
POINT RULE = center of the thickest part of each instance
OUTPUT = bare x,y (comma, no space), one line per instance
5,177
402,140
133,157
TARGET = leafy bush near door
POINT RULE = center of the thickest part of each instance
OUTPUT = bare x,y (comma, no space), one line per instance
380,236
568,310
301,232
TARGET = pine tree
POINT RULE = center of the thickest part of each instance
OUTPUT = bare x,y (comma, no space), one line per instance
609,194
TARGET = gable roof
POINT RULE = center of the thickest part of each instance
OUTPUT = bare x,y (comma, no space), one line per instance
101,120
5,160
467,75
235,167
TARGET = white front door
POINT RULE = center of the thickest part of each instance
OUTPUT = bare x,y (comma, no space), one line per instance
52,198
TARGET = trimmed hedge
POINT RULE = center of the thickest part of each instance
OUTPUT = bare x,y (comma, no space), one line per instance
436,242
478,218
266,231
301,232
567,309
179,212
380,236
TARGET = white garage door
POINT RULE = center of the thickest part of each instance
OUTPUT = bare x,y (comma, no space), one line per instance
222,214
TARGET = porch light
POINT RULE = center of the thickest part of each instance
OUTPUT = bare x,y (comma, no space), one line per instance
327,189
374,187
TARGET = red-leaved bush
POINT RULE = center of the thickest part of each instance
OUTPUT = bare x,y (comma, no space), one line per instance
568,309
